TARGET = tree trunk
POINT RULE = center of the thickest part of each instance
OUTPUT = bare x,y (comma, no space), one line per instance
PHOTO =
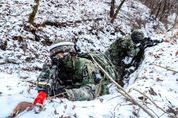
117,11
112,8
33,14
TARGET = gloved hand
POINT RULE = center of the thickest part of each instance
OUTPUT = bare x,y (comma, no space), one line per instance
39,101
38,108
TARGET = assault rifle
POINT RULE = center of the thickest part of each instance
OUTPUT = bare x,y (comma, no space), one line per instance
50,81
47,81
147,43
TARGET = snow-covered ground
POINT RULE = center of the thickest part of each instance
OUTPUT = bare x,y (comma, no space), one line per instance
21,61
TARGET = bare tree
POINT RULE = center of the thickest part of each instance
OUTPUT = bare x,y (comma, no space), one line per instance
114,15
34,11
158,9
112,8
161,9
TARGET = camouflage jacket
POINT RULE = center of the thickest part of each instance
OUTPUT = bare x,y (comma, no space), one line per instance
121,52
124,53
83,81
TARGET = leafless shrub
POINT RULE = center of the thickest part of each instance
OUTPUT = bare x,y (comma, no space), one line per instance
113,13
162,9
137,22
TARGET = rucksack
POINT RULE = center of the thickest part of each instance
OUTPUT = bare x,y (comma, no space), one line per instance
103,60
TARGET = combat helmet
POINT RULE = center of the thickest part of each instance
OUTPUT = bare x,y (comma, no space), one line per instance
61,47
137,36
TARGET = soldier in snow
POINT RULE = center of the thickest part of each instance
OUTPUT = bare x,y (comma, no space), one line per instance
128,52
75,75
72,75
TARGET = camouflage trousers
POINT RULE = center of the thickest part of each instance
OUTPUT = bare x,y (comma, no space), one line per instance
86,92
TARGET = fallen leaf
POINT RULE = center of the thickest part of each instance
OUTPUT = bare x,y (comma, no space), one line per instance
152,92
55,112
156,56
101,100
66,117
167,40
141,97
75,115
158,79
65,107
21,107
176,53
73,107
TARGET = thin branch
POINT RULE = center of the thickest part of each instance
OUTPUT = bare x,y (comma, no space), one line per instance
119,104
117,11
113,97
121,90
151,100
166,68
57,95
152,111
174,24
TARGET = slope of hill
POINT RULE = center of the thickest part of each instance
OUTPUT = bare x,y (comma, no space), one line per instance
24,48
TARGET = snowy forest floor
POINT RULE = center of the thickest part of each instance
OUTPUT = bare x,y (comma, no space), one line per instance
24,49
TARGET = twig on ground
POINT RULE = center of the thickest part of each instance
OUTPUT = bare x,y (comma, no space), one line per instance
113,97
166,68
57,95
119,104
121,90
151,100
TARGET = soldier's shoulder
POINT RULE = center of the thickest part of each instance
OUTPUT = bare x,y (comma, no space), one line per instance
84,59
123,39
127,38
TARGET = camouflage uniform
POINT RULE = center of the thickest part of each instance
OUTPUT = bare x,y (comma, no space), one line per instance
129,51
121,52
81,81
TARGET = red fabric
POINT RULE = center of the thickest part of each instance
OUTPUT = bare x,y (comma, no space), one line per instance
40,98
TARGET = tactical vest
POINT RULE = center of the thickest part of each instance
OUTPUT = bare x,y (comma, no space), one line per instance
84,70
